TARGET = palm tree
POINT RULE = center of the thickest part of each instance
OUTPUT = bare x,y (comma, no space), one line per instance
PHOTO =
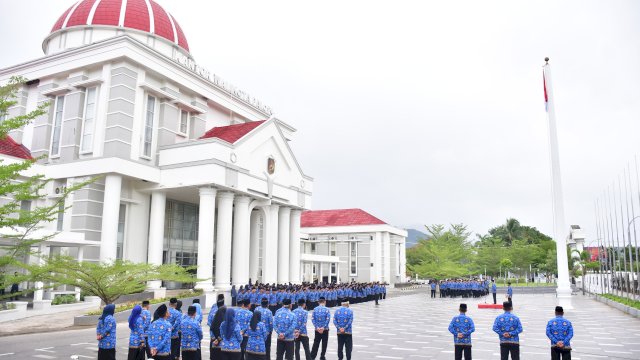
582,258
513,230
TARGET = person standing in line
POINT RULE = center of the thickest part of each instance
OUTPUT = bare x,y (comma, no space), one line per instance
136,339
2,285
216,336
243,317
343,320
508,327
191,335
160,334
509,293
256,349
15,287
560,332
196,303
106,334
284,323
461,327
231,336
146,316
174,319
320,319
266,316
234,296
494,291
301,328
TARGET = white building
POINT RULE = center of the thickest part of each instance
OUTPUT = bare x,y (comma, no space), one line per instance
191,169
351,244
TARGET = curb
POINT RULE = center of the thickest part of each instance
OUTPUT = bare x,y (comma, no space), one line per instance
616,305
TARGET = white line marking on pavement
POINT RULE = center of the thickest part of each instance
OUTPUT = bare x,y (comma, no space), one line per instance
44,356
403,349
5,354
46,349
78,344
387,357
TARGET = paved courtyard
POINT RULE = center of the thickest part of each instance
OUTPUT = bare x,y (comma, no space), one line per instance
410,326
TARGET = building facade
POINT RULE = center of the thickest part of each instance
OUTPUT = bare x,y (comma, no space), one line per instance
190,170
351,245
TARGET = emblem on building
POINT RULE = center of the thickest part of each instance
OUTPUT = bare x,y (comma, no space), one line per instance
271,166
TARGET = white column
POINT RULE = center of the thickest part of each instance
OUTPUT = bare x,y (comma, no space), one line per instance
284,217
80,258
376,257
270,246
386,249
338,272
206,225
241,224
156,233
403,260
110,211
294,246
320,273
223,243
254,247
43,251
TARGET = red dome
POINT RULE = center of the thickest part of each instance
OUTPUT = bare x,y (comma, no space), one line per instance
143,15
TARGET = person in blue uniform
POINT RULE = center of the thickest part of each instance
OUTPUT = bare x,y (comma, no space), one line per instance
494,290
433,289
302,337
191,335
174,318
196,303
160,334
560,333
106,334
234,295
508,327
257,333
136,339
146,316
320,319
343,321
284,324
461,327
509,293
243,317
231,336
216,336
266,317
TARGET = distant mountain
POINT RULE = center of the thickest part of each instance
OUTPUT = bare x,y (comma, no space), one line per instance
413,236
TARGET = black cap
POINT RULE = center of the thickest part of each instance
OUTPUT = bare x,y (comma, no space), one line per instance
246,302
264,301
191,310
322,298
301,301
506,305
220,303
173,301
220,297
286,302
559,309
145,302
161,310
463,307
196,301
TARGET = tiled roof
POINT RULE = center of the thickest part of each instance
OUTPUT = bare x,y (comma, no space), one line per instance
8,146
232,133
342,217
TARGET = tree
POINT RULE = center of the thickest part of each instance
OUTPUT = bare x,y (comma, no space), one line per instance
446,254
19,225
581,258
108,280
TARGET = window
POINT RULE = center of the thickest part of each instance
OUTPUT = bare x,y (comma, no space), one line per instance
57,126
25,206
88,125
333,268
148,126
60,222
313,248
353,258
122,216
184,122
181,233
332,249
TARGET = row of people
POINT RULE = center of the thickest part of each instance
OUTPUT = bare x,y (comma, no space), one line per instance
460,288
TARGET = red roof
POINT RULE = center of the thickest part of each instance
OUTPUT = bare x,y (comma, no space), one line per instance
137,15
343,217
231,133
8,146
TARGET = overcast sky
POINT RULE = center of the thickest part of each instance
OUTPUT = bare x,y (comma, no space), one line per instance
422,112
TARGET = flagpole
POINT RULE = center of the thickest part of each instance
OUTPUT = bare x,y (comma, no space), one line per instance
563,291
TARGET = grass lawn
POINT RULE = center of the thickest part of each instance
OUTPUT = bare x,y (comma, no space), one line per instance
623,300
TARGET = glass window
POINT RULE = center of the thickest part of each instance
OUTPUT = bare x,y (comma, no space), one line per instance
353,258
181,233
332,246
148,126
60,222
25,206
57,126
184,121
122,216
313,248
89,120
333,268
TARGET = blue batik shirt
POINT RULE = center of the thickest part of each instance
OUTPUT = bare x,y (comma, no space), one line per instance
494,288
107,329
136,338
231,344
462,324
212,313
191,333
285,323
160,336
146,315
560,329
301,320
174,319
320,317
433,286
343,318
508,323
510,291
257,337
266,318
243,316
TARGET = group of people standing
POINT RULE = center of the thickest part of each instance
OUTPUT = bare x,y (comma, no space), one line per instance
508,328
473,288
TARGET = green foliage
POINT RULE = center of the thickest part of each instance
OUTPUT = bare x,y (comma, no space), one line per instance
623,300
130,305
110,280
7,306
63,299
446,254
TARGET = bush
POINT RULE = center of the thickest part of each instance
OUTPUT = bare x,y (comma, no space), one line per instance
64,299
130,305
629,302
7,306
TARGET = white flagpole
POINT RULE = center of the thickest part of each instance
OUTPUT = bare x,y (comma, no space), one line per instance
563,290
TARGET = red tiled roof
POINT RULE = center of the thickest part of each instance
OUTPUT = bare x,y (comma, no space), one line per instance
342,217
8,146
231,133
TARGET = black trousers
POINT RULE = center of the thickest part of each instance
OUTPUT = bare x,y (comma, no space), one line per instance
284,348
191,355
147,349
494,298
230,355
135,354
162,357
175,348
215,354
433,294
234,301
376,298
243,346
345,341
267,347
304,341
557,354
509,299
506,349
324,337
106,354
461,350
250,356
